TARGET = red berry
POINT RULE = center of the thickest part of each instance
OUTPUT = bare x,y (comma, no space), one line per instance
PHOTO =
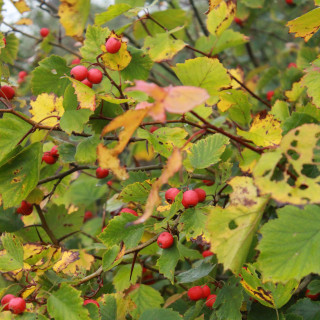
25,208
54,151
87,83
171,194
211,300
308,295
208,182
44,32
48,158
270,95
95,76
5,301
17,305
102,173
87,216
290,2
7,92
292,65
165,240
195,293
201,194
5,41
76,61
205,292
238,21
22,74
148,279
79,72
128,210
207,253
153,129
113,45
109,183
190,199
91,301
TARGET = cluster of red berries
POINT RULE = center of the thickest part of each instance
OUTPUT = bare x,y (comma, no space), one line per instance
87,77
7,92
15,304
196,293
190,198
52,156
21,76
25,208
44,32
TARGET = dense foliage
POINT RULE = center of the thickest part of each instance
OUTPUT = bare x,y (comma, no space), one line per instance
160,160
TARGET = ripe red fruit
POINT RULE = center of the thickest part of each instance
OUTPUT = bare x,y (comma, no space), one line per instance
102,173
76,61
91,301
79,72
211,300
308,295
113,45
109,183
54,151
5,301
44,32
270,95
195,293
153,129
48,158
190,199
201,194
22,74
5,41
17,305
95,76
238,21
165,240
128,210
25,208
7,92
87,83
205,292
207,253
87,216
171,194
290,2
208,182
292,65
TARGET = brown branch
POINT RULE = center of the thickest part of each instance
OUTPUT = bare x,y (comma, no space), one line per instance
196,12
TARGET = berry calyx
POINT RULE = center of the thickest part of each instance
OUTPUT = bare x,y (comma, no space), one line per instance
270,94
91,301
211,300
76,61
79,72
238,21
201,194
308,295
5,301
87,83
95,76
292,65
102,173
44,32
165,240
208,182
195,293
17,305
128,210
25,208
190,199
205,292
207,253
289,2
7,92
87,216
171,194
113,45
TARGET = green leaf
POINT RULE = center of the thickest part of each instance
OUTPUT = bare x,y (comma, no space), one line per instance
121,280
87,150
20,175
9,220
135,176
67,152
31,316
67,301
112,12
137,192
47,77
108,259
207,151
280,110
12,257
290,245
199,271
160,314
74,120
93,309
312,81
12,129
108,308
9,53
253,3
306,308
145,298
193,222
314,286
117,231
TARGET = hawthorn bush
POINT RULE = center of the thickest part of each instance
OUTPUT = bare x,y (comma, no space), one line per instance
160,160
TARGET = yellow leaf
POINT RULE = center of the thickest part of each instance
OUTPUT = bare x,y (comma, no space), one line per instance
66,258
213,4
45,106
24,21
173,165
238,74
35,196
29,290
84,262
21,5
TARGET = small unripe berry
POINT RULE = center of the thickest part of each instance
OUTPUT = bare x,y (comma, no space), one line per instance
201,194
292,65
270,95
205,292
207,253
44,32
195,293
22,74
238,21
17,305
113,45
7,92
165,240
102,173
308,295
208,182
128,210
190,199
5,301
211,300
87,216
91,301
87,83
171,194
95,76
79,72
25,208
76,61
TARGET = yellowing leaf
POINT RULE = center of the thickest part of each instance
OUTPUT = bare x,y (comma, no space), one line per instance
84,262
213,4
66,258
265,131
73,16
21,5
173,165
46,106
24,21
296,91
28,291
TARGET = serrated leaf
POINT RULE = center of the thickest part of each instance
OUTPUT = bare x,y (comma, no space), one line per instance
9,53
122,280
11,258
312,81
207,152
108,308
109,257
306,308
67,152
137,192
112,12
21,5
74,120
9,220
160,314
87,150
197,272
